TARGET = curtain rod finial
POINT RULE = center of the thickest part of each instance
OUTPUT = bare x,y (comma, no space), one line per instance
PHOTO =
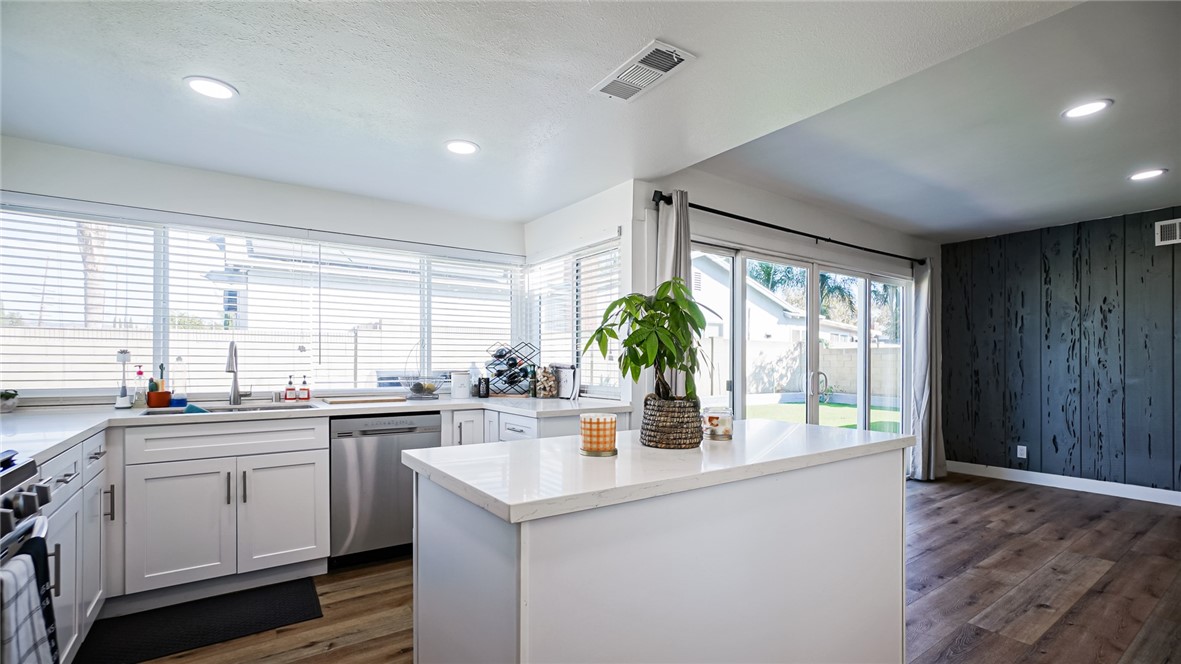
659,197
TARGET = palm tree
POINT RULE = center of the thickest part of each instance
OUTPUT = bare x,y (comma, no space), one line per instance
834,289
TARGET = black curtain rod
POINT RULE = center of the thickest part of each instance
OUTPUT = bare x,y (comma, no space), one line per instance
660,197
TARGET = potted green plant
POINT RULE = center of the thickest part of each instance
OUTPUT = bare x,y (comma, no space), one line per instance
9,399
661,331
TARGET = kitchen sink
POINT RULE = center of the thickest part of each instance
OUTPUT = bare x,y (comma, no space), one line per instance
226,408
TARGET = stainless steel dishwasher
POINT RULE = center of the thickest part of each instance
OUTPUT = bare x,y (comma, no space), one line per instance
372,492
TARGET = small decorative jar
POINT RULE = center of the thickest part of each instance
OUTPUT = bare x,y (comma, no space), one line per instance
717,423
598,434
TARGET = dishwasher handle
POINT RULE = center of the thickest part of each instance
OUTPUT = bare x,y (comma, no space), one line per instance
364,433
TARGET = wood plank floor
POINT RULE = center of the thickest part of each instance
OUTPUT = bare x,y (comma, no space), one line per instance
996,572
367,618
1014,573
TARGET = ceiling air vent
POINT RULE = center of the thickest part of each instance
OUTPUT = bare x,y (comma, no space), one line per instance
1168,232
653,64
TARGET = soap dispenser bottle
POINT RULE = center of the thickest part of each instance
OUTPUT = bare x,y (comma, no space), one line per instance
305,392
290,394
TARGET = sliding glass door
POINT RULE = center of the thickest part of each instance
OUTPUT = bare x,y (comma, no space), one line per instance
713,288
840,377
776,333
887,355
819,344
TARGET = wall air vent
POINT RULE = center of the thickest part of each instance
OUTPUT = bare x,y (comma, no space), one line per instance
643,71
1168,232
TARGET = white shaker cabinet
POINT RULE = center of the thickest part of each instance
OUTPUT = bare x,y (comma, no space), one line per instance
282,509
180,522
96,500
63,540
468,427
491,426
201,519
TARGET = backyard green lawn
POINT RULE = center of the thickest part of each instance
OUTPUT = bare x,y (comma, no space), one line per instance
831,414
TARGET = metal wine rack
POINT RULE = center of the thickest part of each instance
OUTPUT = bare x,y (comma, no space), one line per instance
509,373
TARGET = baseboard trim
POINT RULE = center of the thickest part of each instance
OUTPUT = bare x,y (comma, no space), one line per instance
1135,492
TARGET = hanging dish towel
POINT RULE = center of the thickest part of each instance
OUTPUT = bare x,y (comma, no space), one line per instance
24,638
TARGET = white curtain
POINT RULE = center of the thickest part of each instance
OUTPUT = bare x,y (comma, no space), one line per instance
672,240
673,258
928,459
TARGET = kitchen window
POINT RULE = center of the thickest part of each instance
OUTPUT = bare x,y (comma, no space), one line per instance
75,289
566,300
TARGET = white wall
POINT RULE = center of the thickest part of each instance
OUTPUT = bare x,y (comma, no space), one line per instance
52,170
600,217
723,194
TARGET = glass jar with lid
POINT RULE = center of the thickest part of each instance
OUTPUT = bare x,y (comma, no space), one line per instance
717,423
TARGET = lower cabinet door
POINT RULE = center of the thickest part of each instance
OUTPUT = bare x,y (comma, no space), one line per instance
180,522
64,540
94,549
282,509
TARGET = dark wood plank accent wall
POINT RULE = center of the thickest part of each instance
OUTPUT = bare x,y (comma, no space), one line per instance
1101,280
1176,359
988,349
1023,369
957,358
1066,340
1061,332
1148,313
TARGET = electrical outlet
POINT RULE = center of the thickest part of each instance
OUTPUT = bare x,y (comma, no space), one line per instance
1021,452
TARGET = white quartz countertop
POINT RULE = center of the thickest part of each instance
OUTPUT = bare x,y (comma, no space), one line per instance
43,432
533,479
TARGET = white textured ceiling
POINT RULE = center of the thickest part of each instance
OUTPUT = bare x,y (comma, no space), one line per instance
976,147
359,97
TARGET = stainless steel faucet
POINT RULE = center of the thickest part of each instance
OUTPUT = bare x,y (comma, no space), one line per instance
232,367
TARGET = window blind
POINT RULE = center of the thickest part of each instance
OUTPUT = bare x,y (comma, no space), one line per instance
567,297
75,291
72,293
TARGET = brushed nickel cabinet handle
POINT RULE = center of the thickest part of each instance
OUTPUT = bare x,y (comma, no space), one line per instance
98,455
57,569
67,478
111,492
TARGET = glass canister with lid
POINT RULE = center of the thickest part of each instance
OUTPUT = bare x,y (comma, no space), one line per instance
717,423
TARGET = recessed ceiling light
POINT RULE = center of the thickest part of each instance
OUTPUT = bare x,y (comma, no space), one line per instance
1089,108
1149,174
211,87
462,147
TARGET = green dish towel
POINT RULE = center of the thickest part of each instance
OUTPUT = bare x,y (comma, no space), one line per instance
194,408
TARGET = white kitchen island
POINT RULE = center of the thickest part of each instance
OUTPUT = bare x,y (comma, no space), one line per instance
783,545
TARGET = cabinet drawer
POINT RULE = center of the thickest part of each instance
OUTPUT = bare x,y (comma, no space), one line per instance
66,471
515,427
182,442
94,452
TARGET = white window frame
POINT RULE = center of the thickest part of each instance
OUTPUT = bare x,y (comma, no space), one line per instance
160,220
738,298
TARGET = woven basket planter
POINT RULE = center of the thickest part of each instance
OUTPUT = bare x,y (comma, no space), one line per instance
671,424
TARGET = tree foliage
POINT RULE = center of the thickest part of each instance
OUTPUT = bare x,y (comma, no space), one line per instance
836,294
662,330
